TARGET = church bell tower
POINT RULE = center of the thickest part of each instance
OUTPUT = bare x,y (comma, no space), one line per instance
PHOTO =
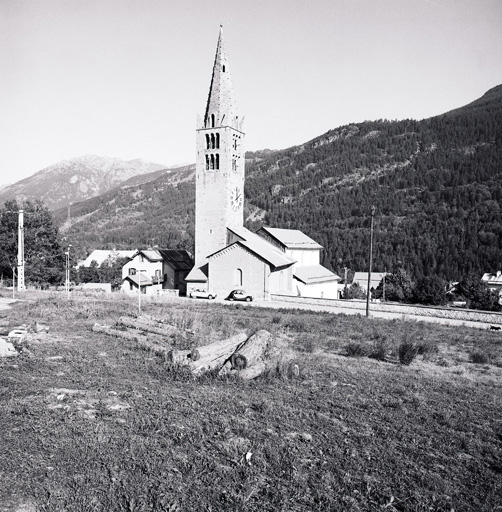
219,196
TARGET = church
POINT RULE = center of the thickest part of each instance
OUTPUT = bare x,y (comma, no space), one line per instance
272,261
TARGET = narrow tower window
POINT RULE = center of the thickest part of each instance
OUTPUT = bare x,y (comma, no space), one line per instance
212,120
223,68
217,141
207,162
239,277
217,161
213,145
207,141
212,161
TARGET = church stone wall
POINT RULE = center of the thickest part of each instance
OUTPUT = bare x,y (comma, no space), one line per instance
225,276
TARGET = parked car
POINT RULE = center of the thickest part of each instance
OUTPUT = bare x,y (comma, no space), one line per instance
200,293
239,295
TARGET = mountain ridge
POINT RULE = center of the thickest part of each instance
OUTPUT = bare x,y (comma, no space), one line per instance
76,179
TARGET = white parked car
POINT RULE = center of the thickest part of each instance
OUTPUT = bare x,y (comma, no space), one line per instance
200,293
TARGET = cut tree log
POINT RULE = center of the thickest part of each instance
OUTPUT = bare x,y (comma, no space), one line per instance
161,323
244,356
141,324
155,345
128,335
260,353
208,357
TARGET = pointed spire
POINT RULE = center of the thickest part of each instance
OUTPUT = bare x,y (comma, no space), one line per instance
221,108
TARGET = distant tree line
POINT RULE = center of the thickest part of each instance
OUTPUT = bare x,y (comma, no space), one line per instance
110,271
429,290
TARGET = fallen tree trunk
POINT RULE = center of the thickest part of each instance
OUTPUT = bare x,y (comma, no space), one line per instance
240,355
208,357
141,324
143,341
162,324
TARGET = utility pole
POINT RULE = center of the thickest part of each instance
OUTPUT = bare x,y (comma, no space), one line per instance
67,280
20,253
384,274
368,291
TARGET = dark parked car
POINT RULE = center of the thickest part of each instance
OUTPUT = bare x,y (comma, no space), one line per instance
240,295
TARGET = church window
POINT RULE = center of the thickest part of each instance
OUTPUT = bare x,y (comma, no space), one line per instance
207,162
239,277
217,161
207,141
217,141
234,164
212,120
213,144
212,161
223,68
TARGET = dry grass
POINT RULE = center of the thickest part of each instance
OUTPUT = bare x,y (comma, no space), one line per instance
93,423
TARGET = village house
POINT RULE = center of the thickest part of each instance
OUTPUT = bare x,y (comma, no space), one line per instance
156,271
494,282
228,256
361,278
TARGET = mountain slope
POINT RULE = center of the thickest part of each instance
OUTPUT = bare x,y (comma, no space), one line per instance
77,179
159,211
436,185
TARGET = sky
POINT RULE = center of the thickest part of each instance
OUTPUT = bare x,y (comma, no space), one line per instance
127,78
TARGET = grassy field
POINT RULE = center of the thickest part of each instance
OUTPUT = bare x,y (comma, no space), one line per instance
90,422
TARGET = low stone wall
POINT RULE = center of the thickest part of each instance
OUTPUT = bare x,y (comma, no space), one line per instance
402,309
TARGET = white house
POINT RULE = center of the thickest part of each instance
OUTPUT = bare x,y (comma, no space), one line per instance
494,282
155,270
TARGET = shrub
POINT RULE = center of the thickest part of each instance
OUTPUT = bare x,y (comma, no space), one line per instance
479,357
379,350
430,290
355,349
427,346
407,352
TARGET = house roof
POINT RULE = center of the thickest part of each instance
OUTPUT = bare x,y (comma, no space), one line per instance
361,278
145,280
100,255
178,259
492,278
151,254
261,248
196,275
314,274
291,238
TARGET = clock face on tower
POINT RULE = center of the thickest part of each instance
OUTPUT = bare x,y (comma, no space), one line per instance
236,198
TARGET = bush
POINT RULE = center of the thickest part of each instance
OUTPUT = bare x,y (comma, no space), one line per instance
430,290
407,352
479,357
356,349
379,350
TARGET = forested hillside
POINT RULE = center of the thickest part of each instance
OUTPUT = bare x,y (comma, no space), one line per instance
436,185
159,212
